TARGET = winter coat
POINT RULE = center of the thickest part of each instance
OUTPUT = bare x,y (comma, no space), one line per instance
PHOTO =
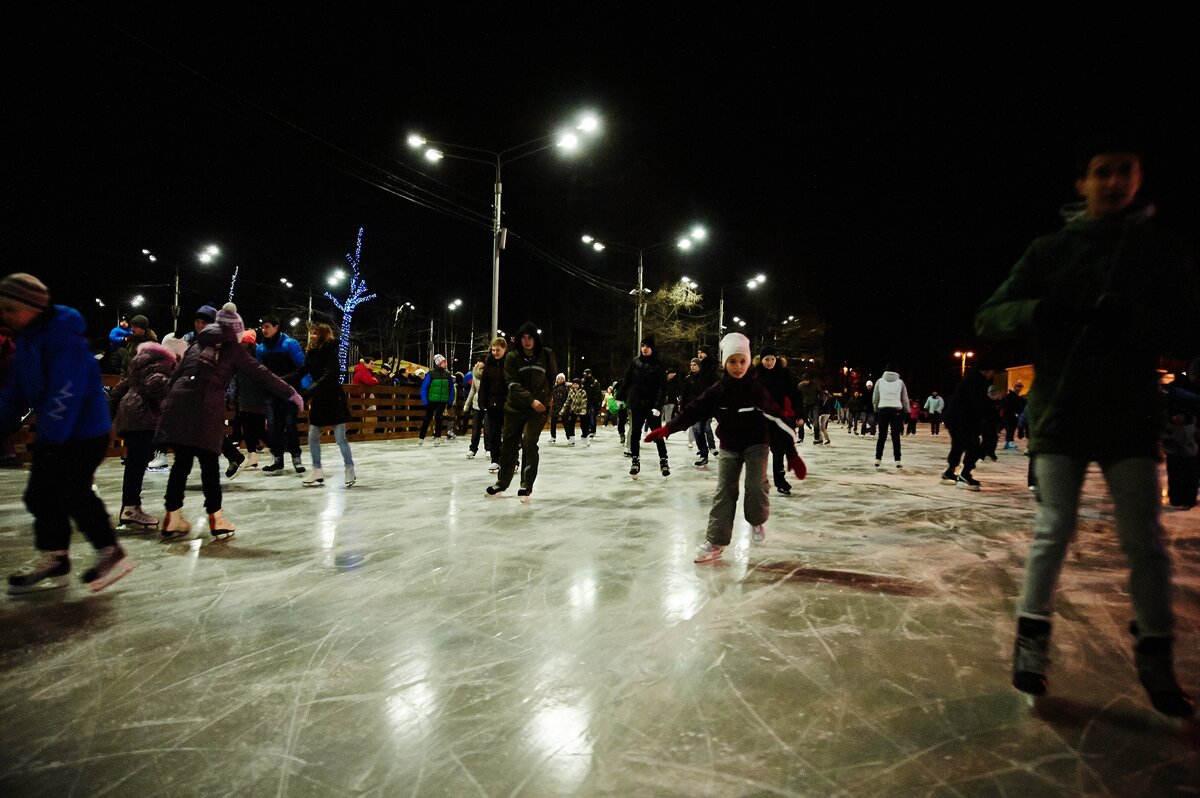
558,395
194,410
328,406
743,410
281,355
671,390
642,386
54,373
528,375
969,406
890,392
591,386
575,403
1013,404
438,386
473,397
363,375
1051,299
693,386
782,385
935,404
138,399
495,386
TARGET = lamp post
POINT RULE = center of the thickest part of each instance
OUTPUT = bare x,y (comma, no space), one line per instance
205,256
437,150
752,283
685,242
963,357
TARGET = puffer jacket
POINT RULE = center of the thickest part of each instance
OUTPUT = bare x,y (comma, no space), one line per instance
138,399
575,403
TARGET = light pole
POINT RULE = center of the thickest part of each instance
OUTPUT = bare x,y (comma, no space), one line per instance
437,150
963,357
685,242
752,283
205,256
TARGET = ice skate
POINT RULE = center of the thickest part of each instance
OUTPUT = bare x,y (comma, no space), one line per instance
494,491
623,439
968,482
878,463
219,526
898,465
175,526
234,467
635,467
297,464
1153,658
702,462
570,441
110,567
664,467
493,468
51,573
252,460
526,495
782,485
707,552
421,442
315,480
1031,655
949,478
758,533
437,441
134,519
275,467
159,463
350,476
553,440
588,440
471,455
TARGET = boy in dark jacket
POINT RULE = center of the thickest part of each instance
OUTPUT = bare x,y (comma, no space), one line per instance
744,410
642,390
966,413
527,369
54,374
1104,295
494,394
282,355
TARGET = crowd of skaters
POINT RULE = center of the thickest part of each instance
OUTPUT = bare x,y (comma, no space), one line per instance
1081,295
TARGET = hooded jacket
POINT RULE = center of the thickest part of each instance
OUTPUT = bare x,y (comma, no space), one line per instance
890,392
53,372
1052,298
528,376
743,410
642,386
138,399
442,391
494,386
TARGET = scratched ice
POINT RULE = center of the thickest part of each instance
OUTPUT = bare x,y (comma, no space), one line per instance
410,637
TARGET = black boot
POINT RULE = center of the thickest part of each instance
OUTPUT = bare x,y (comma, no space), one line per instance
1156,673
781,484
1031,655
662,464
635,467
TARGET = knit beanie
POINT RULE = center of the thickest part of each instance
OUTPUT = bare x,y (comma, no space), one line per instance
439,360
249,337
140,321
177,345
697,361
207,312
26,289
648,341
768,351
734,343
228,316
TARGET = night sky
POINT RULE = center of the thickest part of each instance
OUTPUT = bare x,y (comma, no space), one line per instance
884,171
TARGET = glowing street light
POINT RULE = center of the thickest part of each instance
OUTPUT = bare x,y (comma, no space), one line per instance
963,357
568,140
137,301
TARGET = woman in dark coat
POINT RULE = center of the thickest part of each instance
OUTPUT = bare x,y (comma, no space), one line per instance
193,420
328,407
137,405
784,389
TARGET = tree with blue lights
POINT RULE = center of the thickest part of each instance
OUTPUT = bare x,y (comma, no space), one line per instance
358,294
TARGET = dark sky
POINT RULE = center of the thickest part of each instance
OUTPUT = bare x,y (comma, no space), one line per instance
886,170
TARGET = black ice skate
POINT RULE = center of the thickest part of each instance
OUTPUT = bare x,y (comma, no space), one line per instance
634,467
702,462
1031,655
1152,655
49,574
666,469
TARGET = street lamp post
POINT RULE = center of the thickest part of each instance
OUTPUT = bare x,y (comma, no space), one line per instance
753,283
205,256
685,243
963,357
436,151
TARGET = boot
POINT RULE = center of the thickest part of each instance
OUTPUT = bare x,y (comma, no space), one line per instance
662,464
1031,655
275,467
782,485
315,479
297,464
134,518
635,467
253,460
174,525
1153,658
219,526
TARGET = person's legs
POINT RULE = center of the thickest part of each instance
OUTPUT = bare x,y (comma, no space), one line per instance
638,417
253,428
708,434
210,480
622,420
291,430
439,414
720,517
895,421
814,418
339,435
554,421
177,480
530,433
935,423
568,423
495,427
314,445
60,488
757,506
476,429
1133,484
1059,478
778,441
429,411
510,446
957,446
275,421
139,450
883,431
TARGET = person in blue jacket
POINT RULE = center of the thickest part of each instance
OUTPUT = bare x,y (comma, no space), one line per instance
282,356
437,393
55,375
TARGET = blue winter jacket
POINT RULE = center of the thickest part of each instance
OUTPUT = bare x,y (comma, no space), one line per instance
282,357
54,373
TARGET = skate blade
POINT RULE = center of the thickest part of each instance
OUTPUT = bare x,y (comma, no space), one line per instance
222,536
117,573
44,586
320,483
136,529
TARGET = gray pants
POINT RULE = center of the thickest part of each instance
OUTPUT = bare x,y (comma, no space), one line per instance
757,505
1133,484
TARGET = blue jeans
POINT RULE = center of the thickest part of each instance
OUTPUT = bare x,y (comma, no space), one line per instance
702,432
1133,484
339,435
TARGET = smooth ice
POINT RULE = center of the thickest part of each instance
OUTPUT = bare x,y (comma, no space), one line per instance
408,636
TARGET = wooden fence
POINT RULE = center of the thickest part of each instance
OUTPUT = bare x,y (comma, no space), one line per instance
377,413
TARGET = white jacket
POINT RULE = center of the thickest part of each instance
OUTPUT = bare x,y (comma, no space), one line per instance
890,392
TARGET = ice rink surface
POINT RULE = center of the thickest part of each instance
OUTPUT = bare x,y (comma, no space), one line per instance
408,636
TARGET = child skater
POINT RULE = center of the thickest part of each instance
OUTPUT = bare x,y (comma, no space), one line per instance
744,411
137,408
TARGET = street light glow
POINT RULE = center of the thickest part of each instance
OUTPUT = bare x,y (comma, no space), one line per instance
415,140
295,321
434,155
699,233
212,249
589,123
684,244
596,245
137,301
145,252
152,258
587,239
567,141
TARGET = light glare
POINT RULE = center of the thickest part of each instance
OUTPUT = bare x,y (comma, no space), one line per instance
685,244
568,141
699,233
433,155
587,239
598,246
589,123
415,140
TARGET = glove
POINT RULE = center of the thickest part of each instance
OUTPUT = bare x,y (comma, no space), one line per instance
797,467
298,401
657,435
656,413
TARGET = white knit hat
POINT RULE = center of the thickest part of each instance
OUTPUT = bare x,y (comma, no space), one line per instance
439,360
228,316
734,343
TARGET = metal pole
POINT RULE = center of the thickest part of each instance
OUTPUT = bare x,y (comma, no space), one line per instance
430,342
638,311
496,255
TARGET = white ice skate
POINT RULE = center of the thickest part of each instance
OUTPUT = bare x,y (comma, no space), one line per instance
134,519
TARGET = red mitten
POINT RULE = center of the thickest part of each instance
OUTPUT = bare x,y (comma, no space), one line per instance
657,435
797,467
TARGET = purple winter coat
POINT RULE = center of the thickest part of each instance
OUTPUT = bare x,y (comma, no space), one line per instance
138,399
194,411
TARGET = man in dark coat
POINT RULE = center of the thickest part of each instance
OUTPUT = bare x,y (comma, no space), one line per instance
642,390
527,369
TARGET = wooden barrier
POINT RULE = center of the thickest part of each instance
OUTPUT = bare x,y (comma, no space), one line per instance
377,413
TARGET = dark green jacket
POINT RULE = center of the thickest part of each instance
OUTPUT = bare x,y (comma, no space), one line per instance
529,377
1095,390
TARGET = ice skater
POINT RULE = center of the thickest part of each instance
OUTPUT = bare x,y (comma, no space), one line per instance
744,410
527,369
642,389
890,400
574,409
328,407
193,420
495,395
437,393
54,374
137,402
1104,295
783,387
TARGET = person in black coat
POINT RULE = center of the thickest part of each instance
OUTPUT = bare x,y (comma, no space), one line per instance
328,408
642,390
966,413
783,388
